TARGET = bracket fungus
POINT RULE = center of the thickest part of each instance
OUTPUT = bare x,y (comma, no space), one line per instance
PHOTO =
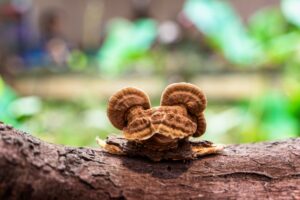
161,132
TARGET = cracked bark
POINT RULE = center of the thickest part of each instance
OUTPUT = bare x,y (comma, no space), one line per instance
33,169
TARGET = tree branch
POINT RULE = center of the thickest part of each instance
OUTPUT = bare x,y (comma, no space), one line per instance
33,169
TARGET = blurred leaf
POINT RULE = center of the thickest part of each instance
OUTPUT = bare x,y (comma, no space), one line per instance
283,48
292,88
267,24
125,41
25,106
275,120
291,10
218,21
7,96
281,43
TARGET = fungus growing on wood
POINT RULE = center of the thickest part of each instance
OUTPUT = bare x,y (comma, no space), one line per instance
162,129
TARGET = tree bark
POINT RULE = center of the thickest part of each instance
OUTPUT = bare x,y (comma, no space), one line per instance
33,169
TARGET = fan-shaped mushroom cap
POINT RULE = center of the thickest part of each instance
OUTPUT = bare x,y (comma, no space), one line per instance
192,98
184,94
124,100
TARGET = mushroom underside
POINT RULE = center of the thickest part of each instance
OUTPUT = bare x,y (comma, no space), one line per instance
183,150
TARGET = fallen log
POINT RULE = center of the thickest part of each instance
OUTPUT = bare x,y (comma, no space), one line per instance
34,169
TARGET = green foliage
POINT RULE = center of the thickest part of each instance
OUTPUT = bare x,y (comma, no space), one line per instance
283,48
275,120
16,110
218,21
7,96
125,42
270,41
267,24
75,123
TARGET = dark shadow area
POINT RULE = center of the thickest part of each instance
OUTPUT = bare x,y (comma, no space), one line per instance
162,169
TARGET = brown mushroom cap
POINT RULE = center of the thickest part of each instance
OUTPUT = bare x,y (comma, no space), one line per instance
192,98
122,101
184,94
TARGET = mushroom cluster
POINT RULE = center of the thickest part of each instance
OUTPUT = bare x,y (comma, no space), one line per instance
163,128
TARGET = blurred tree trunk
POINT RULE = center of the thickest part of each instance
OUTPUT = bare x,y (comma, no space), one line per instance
33,169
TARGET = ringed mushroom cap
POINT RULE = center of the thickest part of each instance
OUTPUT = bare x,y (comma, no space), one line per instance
189,96
124,100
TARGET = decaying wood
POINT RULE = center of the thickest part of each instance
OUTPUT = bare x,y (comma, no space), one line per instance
33,169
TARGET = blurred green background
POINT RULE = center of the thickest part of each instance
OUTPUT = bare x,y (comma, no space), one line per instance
61,61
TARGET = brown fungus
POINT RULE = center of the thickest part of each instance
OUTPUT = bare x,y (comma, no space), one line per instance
189,96
124,100
164,128
184,94
169,121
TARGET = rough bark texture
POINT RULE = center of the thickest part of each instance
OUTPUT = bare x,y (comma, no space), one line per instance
33,169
